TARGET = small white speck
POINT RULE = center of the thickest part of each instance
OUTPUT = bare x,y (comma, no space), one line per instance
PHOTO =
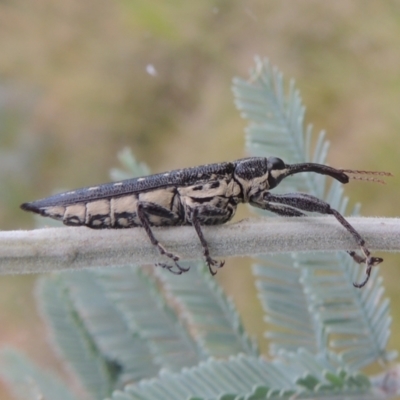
118,184
166,174
93,188
141,179
70,192
151,70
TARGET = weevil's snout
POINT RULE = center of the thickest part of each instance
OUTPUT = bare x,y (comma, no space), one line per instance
319,169
277,170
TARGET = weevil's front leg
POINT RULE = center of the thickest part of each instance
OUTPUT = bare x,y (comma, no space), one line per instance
282,210
144,208
310,203
202,213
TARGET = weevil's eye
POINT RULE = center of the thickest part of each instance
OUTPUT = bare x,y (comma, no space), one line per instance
275,163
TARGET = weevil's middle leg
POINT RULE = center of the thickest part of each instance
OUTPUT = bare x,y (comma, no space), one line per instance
141,213
310,203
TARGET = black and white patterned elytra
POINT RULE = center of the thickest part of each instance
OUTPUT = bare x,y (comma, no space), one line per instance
190,176
203,195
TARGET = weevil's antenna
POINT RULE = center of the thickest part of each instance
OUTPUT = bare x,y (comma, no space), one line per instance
352,174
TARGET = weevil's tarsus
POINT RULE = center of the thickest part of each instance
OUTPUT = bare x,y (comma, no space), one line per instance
369,262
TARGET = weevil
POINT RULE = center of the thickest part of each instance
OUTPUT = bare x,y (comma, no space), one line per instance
197,196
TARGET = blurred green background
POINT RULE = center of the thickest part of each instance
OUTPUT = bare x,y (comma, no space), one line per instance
81,80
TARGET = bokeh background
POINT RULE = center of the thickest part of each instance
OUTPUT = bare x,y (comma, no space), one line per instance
80,80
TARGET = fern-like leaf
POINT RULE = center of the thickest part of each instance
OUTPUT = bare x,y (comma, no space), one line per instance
211,316
296,375
73,340
309,304
108,329
29,381
136,297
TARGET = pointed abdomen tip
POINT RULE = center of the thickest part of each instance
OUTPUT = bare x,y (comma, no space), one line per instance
29,207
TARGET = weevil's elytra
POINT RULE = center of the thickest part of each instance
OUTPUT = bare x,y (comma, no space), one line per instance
204,195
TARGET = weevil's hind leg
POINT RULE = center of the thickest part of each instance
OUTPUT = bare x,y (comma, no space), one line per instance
141,213
310,203
206,212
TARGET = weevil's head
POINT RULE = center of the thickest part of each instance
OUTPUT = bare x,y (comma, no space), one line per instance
257,174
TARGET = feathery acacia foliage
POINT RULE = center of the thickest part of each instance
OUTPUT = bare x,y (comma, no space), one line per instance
132,334
317,300
210,314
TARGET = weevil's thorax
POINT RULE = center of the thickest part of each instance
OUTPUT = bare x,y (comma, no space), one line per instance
252,175
257,175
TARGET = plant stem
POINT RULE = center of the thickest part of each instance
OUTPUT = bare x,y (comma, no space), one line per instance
56,249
